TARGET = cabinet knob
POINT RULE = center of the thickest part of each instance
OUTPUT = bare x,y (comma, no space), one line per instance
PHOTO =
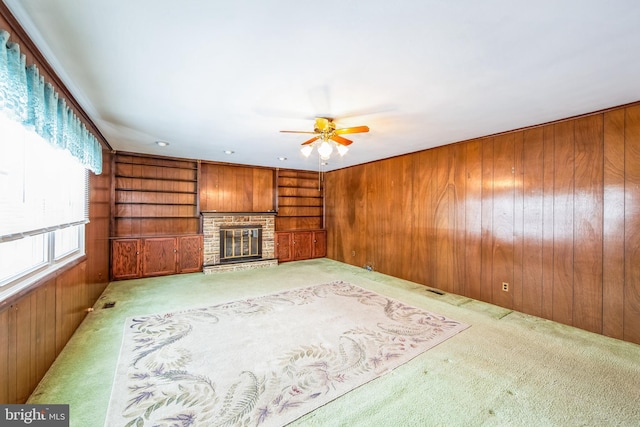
137,253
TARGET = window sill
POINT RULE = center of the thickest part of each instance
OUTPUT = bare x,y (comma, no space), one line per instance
11,293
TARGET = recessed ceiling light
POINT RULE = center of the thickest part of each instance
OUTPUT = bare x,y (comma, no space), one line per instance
282,159
162,143
229,151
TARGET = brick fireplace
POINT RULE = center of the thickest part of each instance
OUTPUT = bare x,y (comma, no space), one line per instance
212,224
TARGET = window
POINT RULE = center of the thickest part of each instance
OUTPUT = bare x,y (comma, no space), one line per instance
43,207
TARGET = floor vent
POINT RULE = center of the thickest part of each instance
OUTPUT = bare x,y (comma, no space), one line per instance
109,305
435,292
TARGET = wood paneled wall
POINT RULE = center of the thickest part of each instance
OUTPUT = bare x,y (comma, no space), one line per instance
553,210
226,188
35,327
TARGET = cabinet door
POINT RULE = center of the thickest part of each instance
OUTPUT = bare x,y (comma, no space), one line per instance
125,259
160,256
302,245
284,245
190,254
319,244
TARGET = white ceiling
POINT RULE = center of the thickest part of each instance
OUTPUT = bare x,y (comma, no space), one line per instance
209,76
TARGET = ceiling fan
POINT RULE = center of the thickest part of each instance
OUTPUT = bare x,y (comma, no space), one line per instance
325,131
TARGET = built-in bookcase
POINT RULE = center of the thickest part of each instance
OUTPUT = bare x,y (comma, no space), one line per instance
300,200
154,196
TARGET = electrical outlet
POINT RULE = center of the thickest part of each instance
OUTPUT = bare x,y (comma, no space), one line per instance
353,253
505,286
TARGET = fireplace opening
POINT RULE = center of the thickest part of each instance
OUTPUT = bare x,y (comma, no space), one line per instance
240,243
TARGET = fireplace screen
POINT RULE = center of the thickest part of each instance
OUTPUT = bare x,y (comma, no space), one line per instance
240,243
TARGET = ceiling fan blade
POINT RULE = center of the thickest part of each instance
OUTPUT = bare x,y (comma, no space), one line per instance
296,131
310,141
356,129
340,140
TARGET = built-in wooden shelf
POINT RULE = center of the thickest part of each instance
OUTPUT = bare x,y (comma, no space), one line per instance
153,196
300,200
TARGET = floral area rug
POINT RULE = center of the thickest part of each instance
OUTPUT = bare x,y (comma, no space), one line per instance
264,361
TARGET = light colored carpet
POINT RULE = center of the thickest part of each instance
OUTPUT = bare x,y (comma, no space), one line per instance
265,361
507,369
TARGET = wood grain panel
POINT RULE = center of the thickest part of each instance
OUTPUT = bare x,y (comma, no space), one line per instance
587,218
532,219
473,219
444,199
632,225
13,374
263,190
5,349
459,214
24,341
390,190
346,215
563,235
518,221
613,230
379,208
548,135
486,275
228,188
503,216
71,303
421,269
209,187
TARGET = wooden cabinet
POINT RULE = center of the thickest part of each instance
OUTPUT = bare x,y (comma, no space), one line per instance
299,245
284,246
160,256
155,256
302,245
319,248
190,251
125,259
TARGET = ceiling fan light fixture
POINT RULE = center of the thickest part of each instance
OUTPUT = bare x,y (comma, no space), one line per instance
306,150
342,150
325,149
